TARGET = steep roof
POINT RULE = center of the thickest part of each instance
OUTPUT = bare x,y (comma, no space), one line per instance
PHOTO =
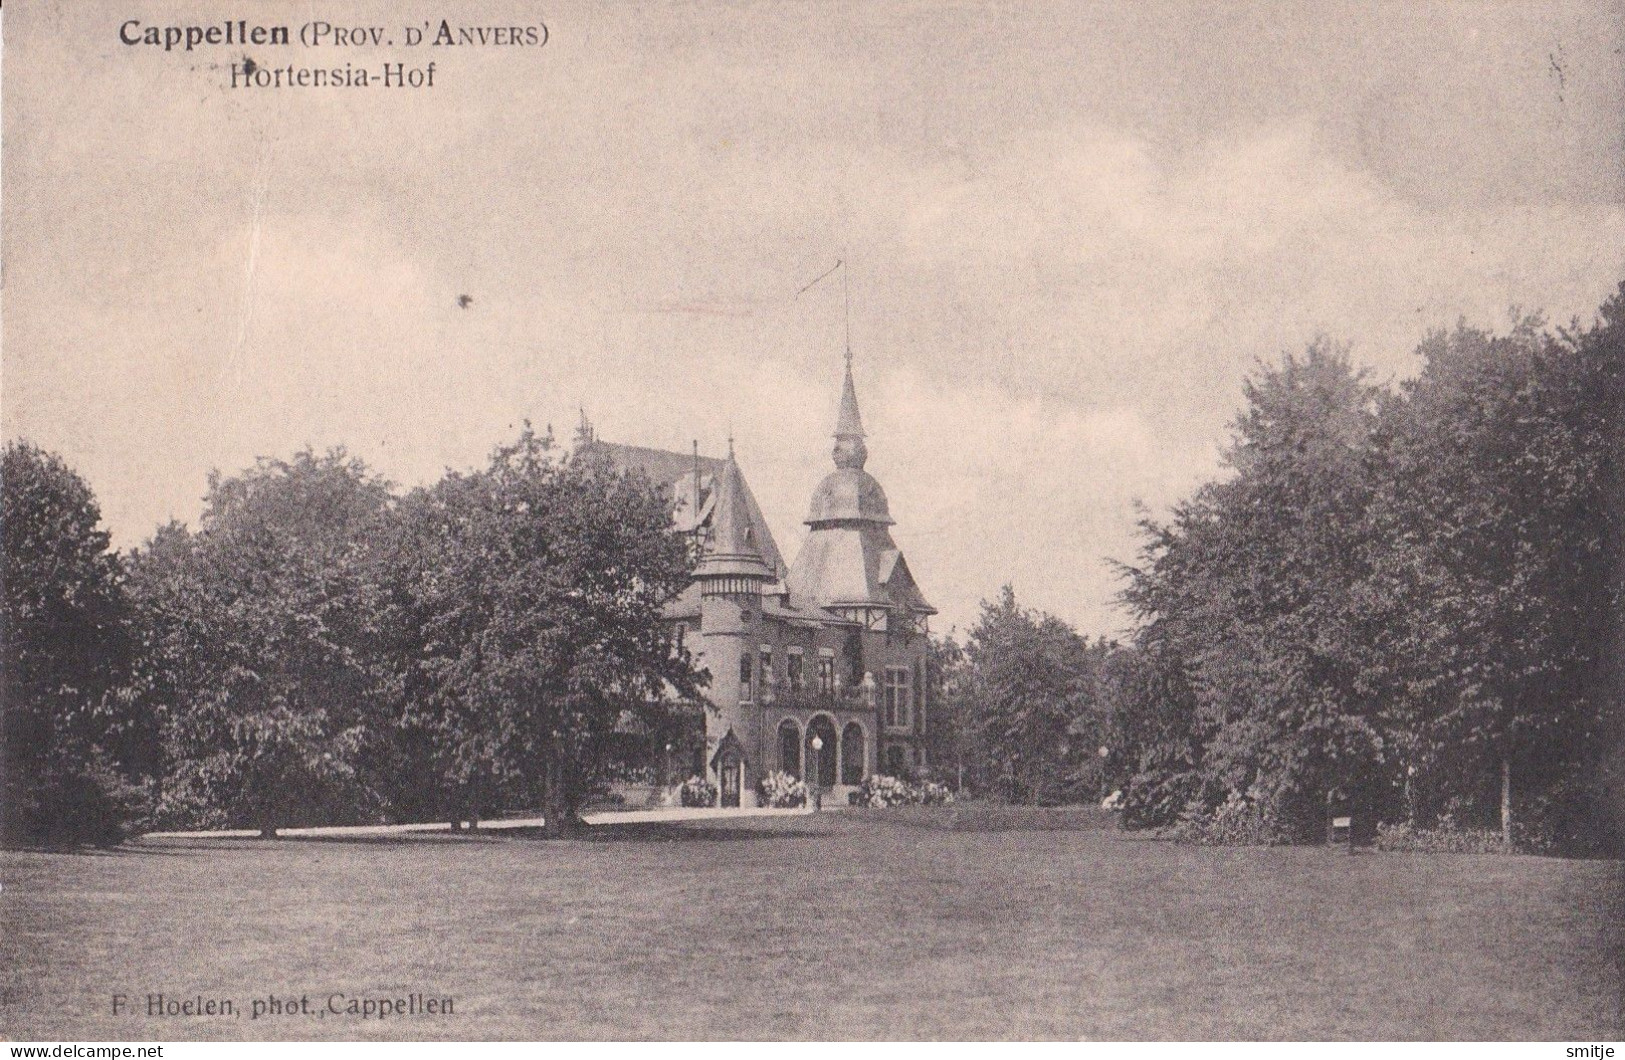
732,548
849,559
854,566
676,471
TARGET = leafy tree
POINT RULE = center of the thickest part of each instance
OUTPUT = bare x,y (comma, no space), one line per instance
1413,598
1088,747
1029,678
1154,755
1585,805
1248,591
70,744
952,734
169,670
531,597
260,644
1499,471
438,766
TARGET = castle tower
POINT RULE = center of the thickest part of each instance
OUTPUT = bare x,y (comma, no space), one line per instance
731,575
851,569
850,564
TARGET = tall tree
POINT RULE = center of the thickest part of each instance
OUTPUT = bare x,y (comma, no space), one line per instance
1029,679
537,588
1248,591
1498,471
260,644
1592,801
1154,754
954,745
1415,597
70,745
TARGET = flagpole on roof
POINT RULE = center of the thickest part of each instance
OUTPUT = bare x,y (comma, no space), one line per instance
846,295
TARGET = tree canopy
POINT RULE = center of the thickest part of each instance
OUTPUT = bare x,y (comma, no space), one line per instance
260,633
1406,599
1029,689
529,597
66,653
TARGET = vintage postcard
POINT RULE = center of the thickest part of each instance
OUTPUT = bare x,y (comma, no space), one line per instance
753,521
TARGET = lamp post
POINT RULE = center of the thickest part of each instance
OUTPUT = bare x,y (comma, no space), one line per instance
665,776
817,745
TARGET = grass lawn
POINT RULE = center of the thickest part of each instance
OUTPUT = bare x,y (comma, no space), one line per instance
842,926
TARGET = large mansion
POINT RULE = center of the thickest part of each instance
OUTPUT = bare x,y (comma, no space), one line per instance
817,667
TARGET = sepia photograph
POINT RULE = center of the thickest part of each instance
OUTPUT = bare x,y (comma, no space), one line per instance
836,520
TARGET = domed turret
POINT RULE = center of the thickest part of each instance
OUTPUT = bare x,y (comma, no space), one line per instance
849,493
849,562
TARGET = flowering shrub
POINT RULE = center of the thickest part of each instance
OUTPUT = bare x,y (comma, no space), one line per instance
879,789
781,790
697,791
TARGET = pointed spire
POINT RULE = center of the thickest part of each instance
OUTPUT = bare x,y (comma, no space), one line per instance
850,452
848,424
732,534
734,550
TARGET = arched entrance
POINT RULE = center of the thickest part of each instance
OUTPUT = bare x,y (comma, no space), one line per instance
790,747
731,776
729,762
852,751
824,729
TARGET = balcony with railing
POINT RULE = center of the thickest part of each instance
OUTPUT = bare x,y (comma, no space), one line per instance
811,698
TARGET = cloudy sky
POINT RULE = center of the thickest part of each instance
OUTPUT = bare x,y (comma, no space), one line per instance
1070,228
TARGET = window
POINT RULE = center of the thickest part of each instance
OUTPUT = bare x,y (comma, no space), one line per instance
790,748
764,667
898,697
852,754
793,670
826,676
852,650
744,677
